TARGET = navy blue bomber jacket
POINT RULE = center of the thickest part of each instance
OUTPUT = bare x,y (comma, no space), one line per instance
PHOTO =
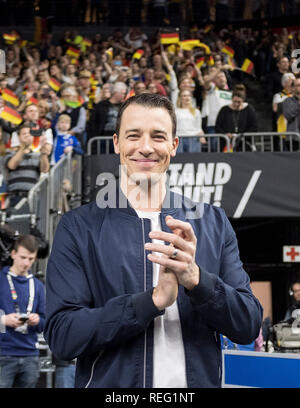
99,306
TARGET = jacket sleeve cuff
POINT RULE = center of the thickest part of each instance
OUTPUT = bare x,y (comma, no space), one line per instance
205,289
145,308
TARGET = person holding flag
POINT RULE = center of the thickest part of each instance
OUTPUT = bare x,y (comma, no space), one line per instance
24,165
7,124
41,136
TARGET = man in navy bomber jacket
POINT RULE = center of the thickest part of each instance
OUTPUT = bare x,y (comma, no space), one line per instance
141,283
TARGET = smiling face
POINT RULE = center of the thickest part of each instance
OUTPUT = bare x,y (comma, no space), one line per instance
145,143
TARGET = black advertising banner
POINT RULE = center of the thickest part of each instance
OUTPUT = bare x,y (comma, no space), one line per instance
244,184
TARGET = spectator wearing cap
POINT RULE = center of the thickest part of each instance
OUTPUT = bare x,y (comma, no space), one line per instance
88,88
104,115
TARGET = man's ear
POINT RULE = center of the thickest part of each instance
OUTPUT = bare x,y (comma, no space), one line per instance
12,254
175,143
116,143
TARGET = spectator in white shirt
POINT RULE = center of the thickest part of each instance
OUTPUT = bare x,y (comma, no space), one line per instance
189,123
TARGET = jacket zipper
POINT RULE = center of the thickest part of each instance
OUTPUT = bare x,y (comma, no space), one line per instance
145,288
93,368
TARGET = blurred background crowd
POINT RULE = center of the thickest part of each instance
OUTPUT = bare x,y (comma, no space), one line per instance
226,65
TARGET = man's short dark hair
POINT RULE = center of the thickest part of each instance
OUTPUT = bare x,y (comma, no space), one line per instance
148,101
24,125
28,242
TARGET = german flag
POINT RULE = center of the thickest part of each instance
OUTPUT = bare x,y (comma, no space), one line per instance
169,38
188,45
130,94
54,84
11,115
10,96
32,101
208,28
172,49
138,54
109,53
9,38
225,150
81,100
93,80
3,201
22,43
200,61
229,51
73,52
211,61
35,144
231,62
205,46
247,66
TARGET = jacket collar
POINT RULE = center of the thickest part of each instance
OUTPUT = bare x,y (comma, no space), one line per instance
170,205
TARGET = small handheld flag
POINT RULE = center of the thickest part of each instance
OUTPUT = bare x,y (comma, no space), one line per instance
54,84
138,54
247,66
11,115
229,51
169,38
10,96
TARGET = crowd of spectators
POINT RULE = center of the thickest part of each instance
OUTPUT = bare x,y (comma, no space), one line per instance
68,91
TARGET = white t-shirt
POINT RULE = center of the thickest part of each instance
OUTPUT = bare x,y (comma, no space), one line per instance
168,356
214,100
187,123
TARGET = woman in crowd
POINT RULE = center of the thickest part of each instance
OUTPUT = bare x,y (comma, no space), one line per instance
237,117
189,123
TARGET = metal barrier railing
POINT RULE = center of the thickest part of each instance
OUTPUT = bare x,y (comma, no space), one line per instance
267,141
102,144
47,201
39,207
244,142
94,145
60,175
38,201
43,207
